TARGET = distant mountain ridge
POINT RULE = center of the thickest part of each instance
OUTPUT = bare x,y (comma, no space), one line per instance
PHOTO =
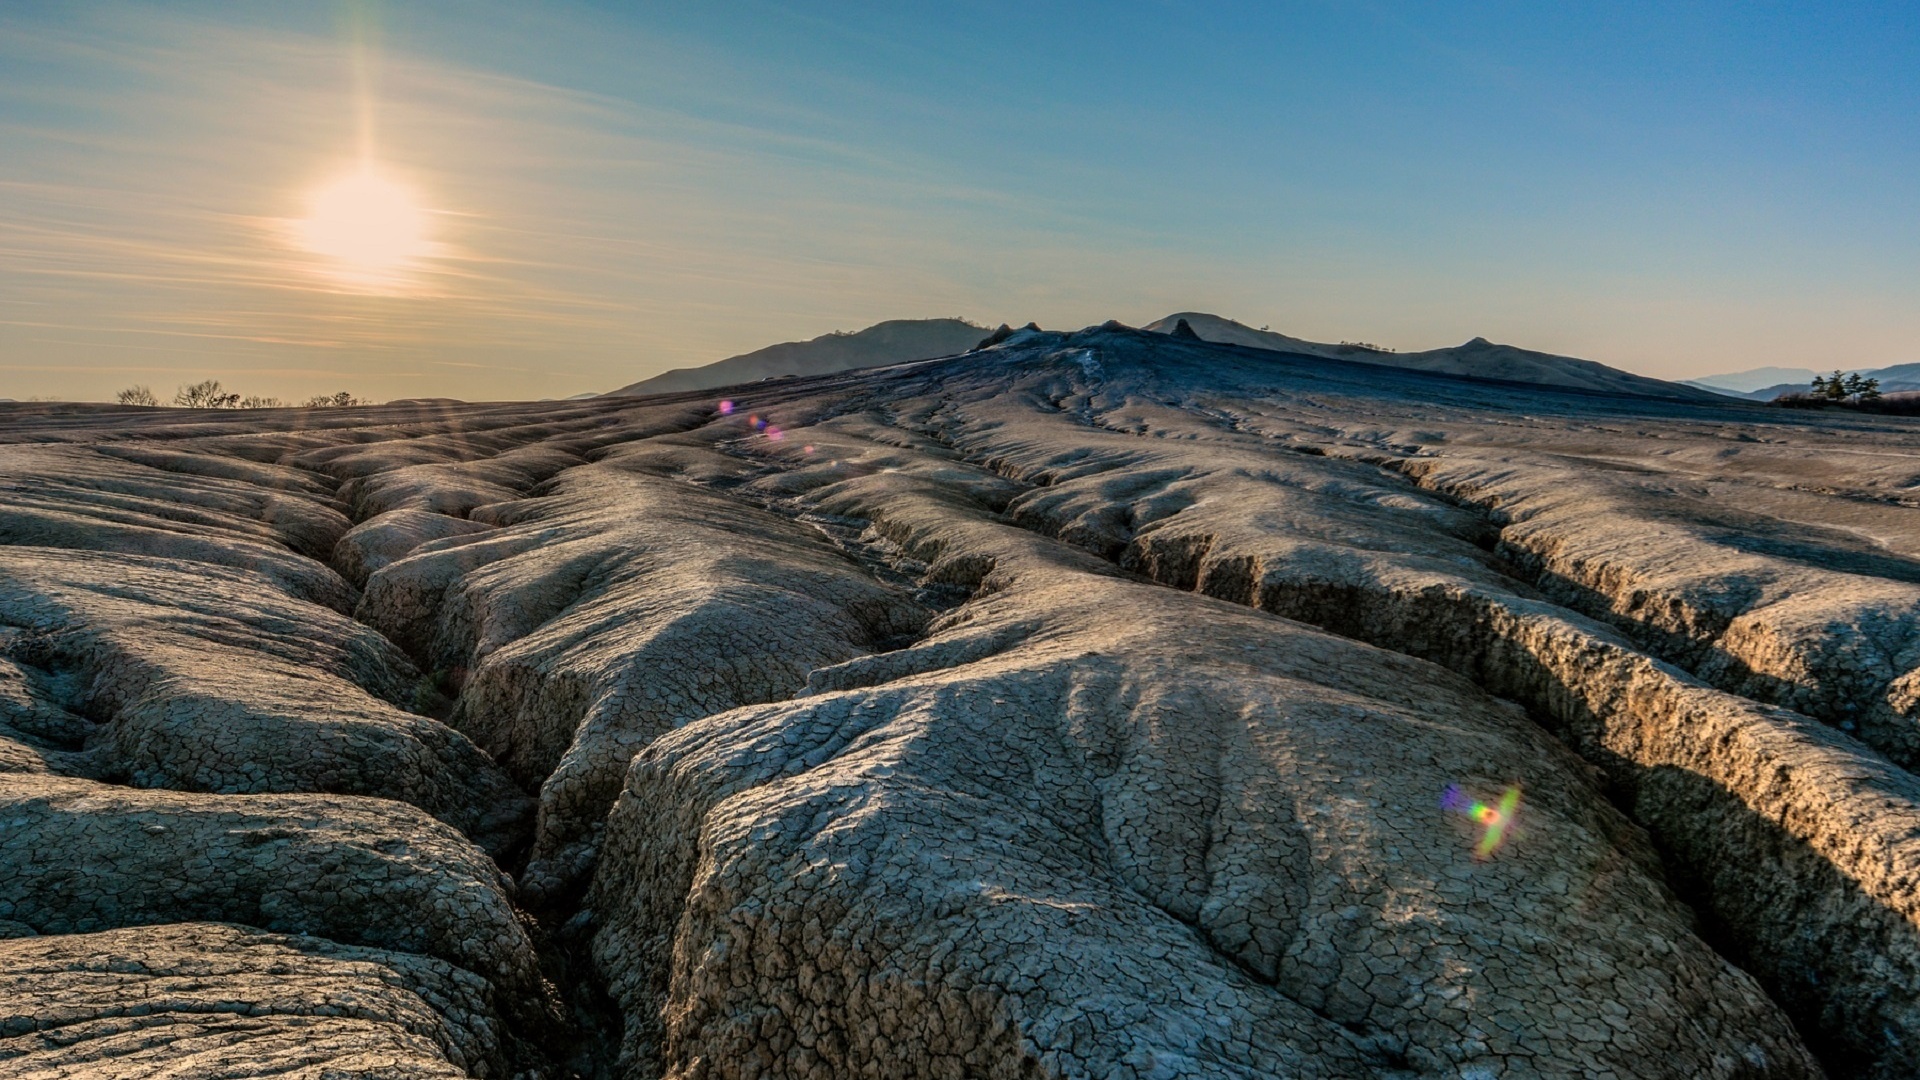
1896,379
899,341
895,341
1479,357
1753,379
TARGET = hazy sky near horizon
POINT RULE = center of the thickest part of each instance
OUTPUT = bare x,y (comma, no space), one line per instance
610,190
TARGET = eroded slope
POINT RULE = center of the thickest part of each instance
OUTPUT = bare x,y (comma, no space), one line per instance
1081,706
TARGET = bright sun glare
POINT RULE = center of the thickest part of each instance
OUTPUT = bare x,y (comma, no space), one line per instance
368,225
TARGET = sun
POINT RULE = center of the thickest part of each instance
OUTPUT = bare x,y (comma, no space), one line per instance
369,228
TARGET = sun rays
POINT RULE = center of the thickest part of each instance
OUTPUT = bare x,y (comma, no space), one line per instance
368,228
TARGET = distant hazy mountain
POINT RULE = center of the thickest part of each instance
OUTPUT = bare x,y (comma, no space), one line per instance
1768,393
1897,379
1477,357
1906,374
1762,378
893,342
901,340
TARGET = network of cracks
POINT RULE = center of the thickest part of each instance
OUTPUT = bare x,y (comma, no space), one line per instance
1095,704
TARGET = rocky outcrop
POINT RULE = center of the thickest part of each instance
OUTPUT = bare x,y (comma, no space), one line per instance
203,678
215,1000
79,857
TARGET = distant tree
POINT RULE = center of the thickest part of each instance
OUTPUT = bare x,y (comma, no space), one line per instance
258,402
1843,386
1833,388
341,400
208,394
1861,389
137,395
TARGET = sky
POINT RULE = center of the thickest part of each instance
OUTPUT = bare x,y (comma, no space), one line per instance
567,197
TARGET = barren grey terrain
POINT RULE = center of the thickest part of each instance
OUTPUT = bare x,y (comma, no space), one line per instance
1082,706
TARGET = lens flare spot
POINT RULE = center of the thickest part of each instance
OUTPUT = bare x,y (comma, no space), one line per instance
726,408
1495,819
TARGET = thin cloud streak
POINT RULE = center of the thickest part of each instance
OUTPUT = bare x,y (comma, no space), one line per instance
695,203
577,222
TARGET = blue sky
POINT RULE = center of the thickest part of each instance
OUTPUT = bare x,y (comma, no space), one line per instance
616,189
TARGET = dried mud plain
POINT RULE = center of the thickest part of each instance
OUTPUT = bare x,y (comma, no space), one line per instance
1080,707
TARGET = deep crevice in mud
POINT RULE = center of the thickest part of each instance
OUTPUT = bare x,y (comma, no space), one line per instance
591,1048
587,1047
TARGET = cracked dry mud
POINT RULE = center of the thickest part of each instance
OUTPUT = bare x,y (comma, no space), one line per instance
1083,706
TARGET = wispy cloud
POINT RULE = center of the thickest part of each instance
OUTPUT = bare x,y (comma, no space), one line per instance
679,198
622,235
